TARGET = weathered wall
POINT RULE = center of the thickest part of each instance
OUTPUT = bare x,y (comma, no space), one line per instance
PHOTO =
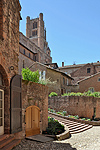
9,50
34,94
76,105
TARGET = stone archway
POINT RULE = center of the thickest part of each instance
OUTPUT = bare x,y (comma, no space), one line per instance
5,100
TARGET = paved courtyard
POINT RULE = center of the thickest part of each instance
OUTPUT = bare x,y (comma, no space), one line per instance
87,140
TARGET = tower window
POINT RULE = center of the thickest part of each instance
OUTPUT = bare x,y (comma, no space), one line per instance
34,33
34,25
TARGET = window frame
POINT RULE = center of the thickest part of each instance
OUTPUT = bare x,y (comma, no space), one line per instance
89,70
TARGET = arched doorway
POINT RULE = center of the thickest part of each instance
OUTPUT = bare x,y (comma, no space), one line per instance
32,121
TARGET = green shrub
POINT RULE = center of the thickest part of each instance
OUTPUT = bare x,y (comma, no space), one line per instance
28,75
54,127
53,94
88,93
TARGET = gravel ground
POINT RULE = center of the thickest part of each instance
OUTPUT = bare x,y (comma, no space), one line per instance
87,140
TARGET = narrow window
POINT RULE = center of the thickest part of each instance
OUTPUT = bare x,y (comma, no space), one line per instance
34,25
35,58
99,79
88,70
24,51
67,81
29,55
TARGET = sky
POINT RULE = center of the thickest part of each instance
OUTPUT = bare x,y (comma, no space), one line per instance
73,28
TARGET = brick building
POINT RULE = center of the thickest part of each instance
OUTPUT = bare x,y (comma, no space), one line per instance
62,80
84,71
71,68
91,83
84,75
33,47
9,52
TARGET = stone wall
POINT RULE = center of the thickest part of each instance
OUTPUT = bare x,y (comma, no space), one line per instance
34,94
9,50
76,105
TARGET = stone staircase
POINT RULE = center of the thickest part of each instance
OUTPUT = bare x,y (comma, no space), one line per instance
74,127
7,142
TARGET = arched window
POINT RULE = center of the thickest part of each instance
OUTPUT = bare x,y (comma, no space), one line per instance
1,79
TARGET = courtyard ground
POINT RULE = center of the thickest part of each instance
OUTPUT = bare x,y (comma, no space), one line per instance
87,140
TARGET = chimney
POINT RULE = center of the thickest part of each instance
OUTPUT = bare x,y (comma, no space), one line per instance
62,64
97,61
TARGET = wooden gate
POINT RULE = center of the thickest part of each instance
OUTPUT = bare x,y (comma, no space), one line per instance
16,104
32,121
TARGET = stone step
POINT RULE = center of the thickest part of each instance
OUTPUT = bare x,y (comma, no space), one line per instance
11,144
71,123
74,127
6,141
78,128
4,136
78,131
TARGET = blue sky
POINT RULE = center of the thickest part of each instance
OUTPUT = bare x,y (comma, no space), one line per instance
73,28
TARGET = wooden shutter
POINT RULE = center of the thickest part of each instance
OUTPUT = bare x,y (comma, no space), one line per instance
16,104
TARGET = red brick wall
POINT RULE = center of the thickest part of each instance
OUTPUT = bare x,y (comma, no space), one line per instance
90,82
34,94
75,105
83,71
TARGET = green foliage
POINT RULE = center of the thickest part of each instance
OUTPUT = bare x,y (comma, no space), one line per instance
51,110
88,93
54,127
71,116
53,94
28,75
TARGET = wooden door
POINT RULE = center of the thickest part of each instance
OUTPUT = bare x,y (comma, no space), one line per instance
32,121
16,104
1,112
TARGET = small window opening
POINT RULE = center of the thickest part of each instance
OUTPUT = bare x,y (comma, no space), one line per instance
88,70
